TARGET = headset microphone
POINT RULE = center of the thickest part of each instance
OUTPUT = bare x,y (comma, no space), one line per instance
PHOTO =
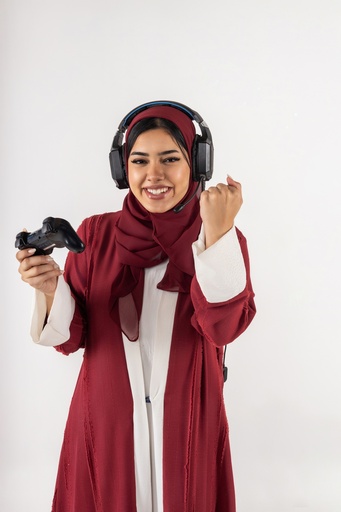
181,206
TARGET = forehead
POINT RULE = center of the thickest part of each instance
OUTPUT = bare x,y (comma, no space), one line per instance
154,140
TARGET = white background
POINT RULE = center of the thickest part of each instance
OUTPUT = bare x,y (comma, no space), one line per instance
265,76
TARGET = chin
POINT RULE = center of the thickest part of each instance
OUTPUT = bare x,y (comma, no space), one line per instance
155,206
157,209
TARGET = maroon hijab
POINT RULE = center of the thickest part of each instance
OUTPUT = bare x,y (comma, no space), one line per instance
145,239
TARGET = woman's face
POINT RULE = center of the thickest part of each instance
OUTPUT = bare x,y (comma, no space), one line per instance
158,172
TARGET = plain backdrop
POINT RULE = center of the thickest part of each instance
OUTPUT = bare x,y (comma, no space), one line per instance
265,76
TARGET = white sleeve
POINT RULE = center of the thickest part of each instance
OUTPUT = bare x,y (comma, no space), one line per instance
220,269
57,328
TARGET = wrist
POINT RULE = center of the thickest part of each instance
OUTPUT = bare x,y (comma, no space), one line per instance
212,238
49,301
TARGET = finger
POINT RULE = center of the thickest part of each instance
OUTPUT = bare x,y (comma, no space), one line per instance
37,261
37,276
214,193
40,281
25,253
217,188
41,271
221,186
231,182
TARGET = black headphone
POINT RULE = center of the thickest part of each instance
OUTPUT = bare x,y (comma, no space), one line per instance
202,152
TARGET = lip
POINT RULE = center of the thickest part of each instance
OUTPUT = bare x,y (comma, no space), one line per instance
157,193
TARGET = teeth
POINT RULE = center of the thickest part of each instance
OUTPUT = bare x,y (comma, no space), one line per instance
157,191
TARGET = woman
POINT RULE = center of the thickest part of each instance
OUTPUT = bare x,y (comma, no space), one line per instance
161,287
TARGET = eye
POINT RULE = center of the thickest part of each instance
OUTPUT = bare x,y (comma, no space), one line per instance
171,159
138,161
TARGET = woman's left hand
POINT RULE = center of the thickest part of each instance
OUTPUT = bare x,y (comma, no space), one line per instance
218,208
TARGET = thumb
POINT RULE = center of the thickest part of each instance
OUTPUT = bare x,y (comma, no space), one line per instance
232,182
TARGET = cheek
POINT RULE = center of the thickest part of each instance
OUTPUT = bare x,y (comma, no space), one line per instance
184,178
132,177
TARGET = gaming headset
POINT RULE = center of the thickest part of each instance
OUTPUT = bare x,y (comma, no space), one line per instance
202,152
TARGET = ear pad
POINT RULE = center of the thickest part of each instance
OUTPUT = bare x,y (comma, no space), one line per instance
118,168
202,160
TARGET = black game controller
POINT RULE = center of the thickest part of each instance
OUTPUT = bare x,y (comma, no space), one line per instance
54,233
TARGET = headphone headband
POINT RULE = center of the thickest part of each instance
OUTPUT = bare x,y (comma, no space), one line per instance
159,103
202,153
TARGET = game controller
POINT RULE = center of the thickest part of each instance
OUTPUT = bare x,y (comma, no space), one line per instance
54,233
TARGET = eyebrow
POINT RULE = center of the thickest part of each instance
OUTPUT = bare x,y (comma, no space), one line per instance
167,152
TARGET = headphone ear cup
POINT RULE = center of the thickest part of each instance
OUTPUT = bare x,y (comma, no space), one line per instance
118,168
202,159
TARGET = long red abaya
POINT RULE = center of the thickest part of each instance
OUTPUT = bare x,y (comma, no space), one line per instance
96,470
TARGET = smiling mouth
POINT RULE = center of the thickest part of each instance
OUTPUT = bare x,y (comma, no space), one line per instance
157,191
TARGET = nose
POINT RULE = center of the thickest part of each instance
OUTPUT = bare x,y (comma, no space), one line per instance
155,171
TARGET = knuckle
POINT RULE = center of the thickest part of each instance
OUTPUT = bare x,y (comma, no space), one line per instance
212,191
34,271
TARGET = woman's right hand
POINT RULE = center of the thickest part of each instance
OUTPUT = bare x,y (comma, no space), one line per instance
40,272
